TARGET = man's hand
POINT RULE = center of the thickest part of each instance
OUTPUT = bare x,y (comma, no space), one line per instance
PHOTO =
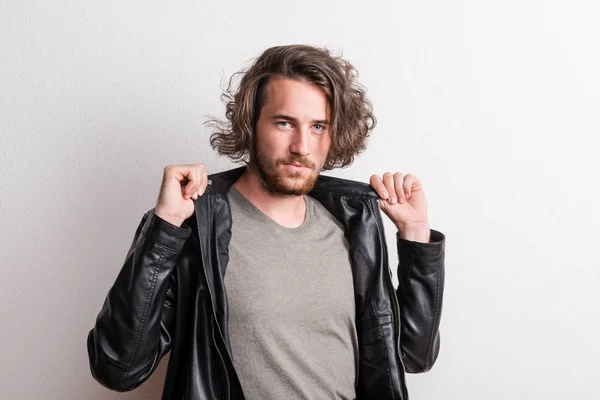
403,201
181,185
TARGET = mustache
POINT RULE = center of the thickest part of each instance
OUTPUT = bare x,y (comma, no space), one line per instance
296,160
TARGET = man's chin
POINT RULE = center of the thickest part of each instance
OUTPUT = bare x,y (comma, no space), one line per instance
293,185
282,180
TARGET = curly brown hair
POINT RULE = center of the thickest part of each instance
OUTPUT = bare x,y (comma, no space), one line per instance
352,116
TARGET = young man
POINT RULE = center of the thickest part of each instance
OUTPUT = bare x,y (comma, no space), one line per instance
271,281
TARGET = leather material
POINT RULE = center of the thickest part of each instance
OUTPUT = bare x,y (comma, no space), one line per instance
170,296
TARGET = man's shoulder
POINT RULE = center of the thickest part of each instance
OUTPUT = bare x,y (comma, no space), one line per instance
220,182
344,187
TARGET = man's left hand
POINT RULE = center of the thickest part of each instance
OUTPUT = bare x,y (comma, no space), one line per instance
403,201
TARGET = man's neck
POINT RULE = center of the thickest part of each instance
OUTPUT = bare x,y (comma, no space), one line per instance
288,211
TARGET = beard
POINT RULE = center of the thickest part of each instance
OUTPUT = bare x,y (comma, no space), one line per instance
284,182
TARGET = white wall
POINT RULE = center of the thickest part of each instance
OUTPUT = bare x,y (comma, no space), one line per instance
493,105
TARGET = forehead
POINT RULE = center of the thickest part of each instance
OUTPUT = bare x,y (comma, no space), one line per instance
299,99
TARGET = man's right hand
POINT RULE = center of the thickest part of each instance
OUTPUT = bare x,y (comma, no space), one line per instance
180,184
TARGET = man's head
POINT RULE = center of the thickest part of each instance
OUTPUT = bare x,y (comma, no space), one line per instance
295,104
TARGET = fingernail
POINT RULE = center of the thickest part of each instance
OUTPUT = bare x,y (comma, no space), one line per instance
385,195
393,200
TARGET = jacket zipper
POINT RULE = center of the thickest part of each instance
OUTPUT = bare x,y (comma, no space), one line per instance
222,361
397,316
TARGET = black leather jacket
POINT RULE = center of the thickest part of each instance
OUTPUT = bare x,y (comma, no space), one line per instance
170,296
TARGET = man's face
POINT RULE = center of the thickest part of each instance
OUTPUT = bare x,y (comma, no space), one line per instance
292,136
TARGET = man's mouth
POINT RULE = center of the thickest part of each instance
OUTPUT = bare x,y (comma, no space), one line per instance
297,165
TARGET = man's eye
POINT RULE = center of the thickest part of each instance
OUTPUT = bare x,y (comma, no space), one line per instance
319,128
283,124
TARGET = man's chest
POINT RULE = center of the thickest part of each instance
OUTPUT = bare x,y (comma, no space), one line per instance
271,277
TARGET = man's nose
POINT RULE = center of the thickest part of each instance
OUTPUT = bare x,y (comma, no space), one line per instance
300,142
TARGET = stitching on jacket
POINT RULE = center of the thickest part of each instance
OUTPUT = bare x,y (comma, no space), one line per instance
363,196
411,265
389,369
379,229
202,250
209,244
362,255
114,363
372,300
381,232
213,317
167,247
435,313
144,314
212,326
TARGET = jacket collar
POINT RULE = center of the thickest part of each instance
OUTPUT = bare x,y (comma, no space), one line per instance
222,181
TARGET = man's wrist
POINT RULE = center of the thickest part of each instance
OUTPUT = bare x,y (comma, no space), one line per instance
174,220
416,233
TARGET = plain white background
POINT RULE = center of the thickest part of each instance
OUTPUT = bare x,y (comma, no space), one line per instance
493,105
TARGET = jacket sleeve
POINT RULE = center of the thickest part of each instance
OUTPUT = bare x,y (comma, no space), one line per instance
420,291
133,330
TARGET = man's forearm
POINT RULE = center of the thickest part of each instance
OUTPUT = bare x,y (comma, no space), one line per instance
125,344
420,293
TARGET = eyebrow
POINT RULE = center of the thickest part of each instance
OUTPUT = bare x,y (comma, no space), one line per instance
292,119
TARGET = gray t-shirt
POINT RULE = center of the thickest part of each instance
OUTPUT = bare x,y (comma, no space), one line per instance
291,305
